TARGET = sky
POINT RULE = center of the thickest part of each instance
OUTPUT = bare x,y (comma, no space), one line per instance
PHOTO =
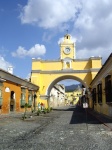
33,29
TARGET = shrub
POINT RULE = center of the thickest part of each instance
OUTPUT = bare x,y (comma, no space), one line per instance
38,112
26,106
44,110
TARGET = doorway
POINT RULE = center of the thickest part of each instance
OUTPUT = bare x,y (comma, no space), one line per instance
12,101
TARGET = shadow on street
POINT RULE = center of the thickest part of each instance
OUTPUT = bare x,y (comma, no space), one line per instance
81,115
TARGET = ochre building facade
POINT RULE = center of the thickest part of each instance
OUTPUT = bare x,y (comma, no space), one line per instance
15,92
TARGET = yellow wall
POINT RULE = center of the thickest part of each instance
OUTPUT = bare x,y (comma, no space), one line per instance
78,65
58,65
43,80
72,95
96,64
46,79
45,65
103,107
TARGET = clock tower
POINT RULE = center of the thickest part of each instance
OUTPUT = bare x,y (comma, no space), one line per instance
67,48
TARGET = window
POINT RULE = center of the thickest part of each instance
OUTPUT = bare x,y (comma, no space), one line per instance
30,98
23,96
94,95
99,89
108,89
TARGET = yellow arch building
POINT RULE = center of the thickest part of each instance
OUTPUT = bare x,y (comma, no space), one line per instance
46,73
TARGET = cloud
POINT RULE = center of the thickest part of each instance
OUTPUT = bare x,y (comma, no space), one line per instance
88,21
36,50
28,76
47,36
4,64
94,26
49,14
98,52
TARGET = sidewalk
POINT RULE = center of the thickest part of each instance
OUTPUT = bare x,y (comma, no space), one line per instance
107,121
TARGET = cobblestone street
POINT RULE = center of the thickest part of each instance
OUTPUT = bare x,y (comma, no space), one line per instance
66,128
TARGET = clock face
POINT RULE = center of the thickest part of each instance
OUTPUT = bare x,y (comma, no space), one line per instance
67,50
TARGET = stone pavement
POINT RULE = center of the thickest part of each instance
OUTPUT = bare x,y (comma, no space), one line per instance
65,128
107,121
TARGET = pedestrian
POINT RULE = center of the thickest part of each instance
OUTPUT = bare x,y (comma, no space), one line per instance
42,106
39,107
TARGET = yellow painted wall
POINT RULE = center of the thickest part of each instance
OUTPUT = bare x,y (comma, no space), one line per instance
104,107
96,63
72,95
46,79
78,65
58,65
45,65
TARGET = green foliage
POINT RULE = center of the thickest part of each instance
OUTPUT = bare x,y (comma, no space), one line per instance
48,110
38,112
32,109
26,106
51,108
44,110
24,116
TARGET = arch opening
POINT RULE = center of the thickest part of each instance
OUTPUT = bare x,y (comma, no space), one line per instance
58,95
64,78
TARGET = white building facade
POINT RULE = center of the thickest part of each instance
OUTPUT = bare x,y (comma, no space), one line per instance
57,96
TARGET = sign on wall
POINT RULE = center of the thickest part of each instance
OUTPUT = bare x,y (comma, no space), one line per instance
7,89
85,105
